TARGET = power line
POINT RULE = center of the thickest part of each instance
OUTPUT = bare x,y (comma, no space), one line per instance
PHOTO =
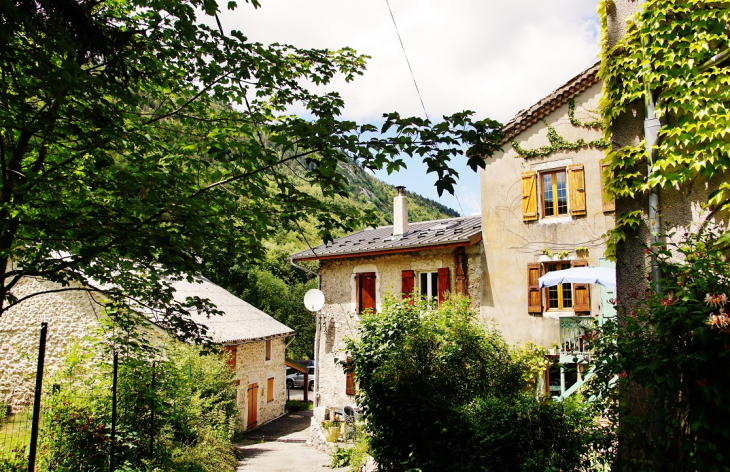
407,61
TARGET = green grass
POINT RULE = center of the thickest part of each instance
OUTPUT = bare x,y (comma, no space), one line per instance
15,431
292,406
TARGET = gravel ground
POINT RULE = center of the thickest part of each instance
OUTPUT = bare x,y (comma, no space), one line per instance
279,447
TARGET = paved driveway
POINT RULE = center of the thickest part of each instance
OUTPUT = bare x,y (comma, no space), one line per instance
279,447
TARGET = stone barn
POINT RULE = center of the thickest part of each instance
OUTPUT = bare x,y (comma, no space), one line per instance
256,342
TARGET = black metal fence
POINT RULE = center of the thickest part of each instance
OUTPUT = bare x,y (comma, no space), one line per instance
86,430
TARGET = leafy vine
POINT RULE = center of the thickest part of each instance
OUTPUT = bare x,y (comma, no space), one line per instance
664,50
558,143
593,124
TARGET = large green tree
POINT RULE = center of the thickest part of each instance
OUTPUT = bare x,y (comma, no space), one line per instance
136,139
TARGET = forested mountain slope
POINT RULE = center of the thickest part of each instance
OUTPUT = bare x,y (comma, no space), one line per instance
276,287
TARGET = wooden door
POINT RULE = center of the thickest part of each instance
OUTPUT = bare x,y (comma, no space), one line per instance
253,405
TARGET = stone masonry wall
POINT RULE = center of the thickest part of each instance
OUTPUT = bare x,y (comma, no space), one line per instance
70,317
339,320
252,367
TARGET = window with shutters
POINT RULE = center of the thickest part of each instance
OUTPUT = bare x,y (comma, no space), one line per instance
559,192
434,285
270,390
428,284
554,193
350,388
365,288
559,297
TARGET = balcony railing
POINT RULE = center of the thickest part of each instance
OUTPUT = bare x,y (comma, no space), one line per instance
575,335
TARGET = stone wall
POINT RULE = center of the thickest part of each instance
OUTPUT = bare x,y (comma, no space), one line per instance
338,318
70,316
253,368
510,244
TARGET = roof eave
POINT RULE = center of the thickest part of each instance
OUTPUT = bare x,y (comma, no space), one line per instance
473,239
233,342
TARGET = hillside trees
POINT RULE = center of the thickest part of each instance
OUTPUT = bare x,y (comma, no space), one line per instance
135,138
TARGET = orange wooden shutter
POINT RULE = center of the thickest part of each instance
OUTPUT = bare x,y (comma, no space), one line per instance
534,294
577,190
529,196
609,203
407,277
253,405
367,291
444,283
358,291
270,390
581,292
349,378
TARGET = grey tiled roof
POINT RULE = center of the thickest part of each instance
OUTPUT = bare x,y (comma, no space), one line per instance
420,235
240,322
559,97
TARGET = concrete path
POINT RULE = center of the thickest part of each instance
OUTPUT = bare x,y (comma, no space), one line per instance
279,447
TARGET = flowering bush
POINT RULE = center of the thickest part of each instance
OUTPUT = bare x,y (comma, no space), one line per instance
670,354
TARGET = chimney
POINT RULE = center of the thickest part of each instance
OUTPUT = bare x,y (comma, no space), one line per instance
400,213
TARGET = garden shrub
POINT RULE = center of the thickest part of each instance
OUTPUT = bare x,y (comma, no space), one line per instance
15,461
177,413
436,386
670,356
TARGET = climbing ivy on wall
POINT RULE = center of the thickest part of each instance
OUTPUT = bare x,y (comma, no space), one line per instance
665,43
594,124
558,143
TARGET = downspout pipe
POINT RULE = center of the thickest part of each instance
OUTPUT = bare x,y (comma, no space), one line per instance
316,333
652,126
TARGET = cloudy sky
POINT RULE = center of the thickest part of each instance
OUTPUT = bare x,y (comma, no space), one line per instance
492,57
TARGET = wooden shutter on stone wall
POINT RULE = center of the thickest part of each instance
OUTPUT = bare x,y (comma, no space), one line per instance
609,203
581,292
577,190
349,378
534,294
529,196
444,283
270,390
461,284
407,278
367,291
357,293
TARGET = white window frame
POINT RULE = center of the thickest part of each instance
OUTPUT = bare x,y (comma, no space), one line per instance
430,292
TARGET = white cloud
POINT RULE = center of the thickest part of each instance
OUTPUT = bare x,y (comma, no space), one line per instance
491,57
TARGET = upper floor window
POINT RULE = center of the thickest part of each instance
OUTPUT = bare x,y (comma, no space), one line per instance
365,288
431,284
268,350
554,193
428,285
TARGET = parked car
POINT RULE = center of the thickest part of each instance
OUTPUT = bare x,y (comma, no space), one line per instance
297,379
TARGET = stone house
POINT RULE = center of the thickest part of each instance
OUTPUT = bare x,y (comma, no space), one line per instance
255,341
543,209
357,271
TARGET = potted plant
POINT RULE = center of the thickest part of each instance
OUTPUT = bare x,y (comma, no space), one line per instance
331,430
